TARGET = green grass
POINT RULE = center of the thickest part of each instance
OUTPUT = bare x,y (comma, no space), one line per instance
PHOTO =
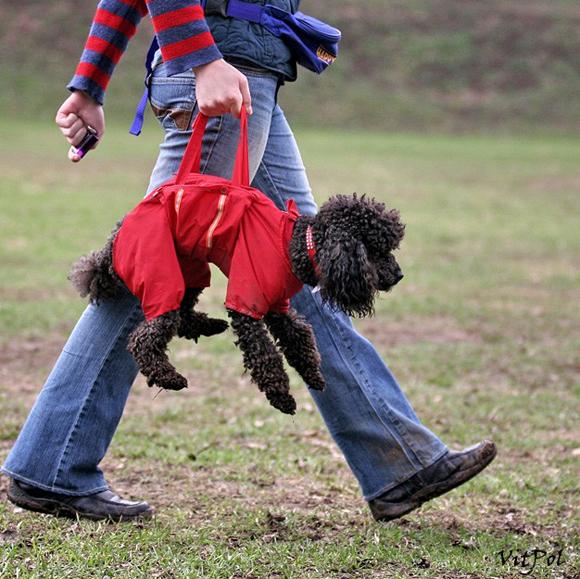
482,333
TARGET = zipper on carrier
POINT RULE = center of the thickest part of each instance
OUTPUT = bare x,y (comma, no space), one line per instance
178,199
215,222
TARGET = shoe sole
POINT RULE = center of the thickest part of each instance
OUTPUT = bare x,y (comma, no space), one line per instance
430,492
58,509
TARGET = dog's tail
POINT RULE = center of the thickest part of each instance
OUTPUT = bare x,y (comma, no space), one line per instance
93,274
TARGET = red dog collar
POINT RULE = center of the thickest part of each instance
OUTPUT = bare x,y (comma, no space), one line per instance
311,249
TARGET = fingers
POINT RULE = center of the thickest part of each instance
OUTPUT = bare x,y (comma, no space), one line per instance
236,106
218,108
221,88
246,97
73,128
242,99
66,121
75,133
227,102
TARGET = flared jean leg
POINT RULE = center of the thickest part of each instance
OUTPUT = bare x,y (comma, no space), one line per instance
73,420
363,406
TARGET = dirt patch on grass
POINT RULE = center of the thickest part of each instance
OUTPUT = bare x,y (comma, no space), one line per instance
411,330
35,294
226,382
498,518
555,184
207,492
25,362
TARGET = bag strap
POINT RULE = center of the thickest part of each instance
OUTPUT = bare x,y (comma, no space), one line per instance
245,11
241,174
137,125
192,157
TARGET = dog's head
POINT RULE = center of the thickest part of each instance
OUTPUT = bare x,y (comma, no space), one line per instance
355,238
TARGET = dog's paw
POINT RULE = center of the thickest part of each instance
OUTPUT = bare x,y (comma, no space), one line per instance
316,382
200,325
214,326
173,382
189,334
284,403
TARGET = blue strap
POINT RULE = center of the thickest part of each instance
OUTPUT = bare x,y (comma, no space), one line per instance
137,125
245,10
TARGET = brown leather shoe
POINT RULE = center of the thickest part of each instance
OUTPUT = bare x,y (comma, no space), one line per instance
98,506
450,471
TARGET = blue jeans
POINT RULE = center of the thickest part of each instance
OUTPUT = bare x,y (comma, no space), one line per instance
77,412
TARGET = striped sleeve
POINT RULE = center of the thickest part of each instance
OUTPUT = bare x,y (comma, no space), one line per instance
183,35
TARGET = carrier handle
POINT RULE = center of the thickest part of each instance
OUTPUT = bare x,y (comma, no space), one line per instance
192,157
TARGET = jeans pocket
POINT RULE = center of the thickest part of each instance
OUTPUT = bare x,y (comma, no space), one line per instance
172,99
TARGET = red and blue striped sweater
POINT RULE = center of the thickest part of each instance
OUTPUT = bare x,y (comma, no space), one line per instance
182,32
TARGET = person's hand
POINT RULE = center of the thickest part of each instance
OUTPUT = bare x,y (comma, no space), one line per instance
221,88
73,116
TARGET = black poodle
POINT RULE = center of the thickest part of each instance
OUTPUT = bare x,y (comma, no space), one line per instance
345,251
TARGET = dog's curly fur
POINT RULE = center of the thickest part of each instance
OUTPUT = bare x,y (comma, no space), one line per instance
263,361
93,274
194,324
354,238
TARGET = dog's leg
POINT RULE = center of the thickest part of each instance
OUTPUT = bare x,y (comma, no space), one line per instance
148,344
263,361
194,324
295,338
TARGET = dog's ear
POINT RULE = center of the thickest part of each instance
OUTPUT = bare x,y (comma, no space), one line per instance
348,278
380,228
394,228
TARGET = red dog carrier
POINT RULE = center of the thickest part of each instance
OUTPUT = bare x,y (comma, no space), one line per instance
166,243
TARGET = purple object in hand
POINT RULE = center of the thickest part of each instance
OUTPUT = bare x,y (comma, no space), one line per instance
89,141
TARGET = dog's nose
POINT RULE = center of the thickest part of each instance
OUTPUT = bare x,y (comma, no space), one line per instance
399,277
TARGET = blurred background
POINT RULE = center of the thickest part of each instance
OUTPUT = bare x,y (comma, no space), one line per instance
419,65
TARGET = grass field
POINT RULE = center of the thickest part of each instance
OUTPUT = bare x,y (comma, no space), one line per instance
483,334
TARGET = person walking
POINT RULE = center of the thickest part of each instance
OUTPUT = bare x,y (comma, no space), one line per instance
216,64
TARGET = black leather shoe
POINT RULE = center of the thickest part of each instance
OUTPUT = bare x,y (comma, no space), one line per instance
98,506
450,471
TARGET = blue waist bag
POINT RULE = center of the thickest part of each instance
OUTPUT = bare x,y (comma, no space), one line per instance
314,44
